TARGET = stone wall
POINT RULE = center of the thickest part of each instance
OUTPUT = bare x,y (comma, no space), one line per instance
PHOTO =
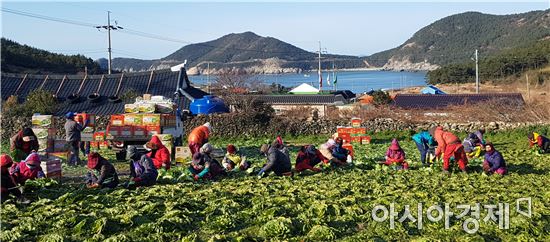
249,125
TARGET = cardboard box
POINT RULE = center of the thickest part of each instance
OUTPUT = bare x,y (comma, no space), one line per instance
359,131
63,156
355,122
152,119
126,131
170,149
349,147
182,153
88,129
147,107
60,145
57,174
366,140
84,117
45,145
51,166
356,139
94,145
117,120
168,120
103,145
87,136
42,121
165,107
44,133
153,130
99,136
131,108
132,119
345,136
112,132
140,131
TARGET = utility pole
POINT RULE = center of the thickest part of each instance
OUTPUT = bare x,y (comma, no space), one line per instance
109,27
319,71
320,74
477,74
208,77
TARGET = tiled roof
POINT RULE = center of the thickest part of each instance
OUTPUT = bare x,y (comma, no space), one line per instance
438,101
303,99
163,82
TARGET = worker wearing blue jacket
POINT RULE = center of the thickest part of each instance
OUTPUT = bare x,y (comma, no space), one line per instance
424,140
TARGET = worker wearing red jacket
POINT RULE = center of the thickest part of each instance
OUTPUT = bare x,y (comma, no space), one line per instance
27,170
449,145
308,157
159,153
198,137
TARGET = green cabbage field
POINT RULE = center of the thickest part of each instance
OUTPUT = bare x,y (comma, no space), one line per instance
337,204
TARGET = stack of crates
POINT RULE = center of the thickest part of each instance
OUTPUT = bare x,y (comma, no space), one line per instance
43,128
355,133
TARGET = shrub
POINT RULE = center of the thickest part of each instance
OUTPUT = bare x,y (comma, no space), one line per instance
381,98
41,101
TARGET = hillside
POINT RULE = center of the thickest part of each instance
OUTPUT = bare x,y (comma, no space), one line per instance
453,39
17,58
499,67
243,50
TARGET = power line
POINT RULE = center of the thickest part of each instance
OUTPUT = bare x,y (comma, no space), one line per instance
158,37
44,17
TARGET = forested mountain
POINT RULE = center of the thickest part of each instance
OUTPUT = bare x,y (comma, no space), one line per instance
453,39
243,50
497,67
19,58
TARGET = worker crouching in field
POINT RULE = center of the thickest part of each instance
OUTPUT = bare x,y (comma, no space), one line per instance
424,141
449,145
234,159
198,137
7,183
308,157
204,166
472,146
396,155
29,169
327,150
102,173
159,153
142,169
23,143
277,162
341,154
494,162
540,142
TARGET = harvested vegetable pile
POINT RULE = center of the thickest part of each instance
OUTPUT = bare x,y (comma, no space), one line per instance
333,205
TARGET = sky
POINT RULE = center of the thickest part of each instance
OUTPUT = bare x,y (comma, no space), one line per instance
350,28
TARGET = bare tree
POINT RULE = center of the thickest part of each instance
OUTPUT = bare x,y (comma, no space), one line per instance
237,87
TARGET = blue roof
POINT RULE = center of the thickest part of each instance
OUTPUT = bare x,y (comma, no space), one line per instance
432,90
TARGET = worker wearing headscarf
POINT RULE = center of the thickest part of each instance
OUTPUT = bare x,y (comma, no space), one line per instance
494,162
396,155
